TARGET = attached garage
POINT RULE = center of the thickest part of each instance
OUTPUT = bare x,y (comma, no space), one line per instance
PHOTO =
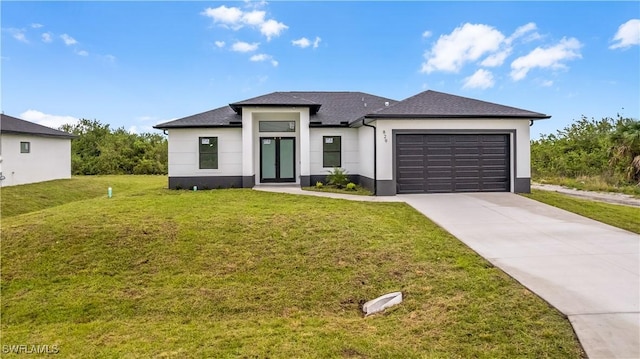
443,163
439,143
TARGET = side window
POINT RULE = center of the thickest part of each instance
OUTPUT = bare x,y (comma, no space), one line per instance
331,146
25,147
208,152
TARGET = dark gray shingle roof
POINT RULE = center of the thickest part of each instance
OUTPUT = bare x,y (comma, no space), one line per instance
431,104
340,108
277,99
10,124
327,108
345,108
223,116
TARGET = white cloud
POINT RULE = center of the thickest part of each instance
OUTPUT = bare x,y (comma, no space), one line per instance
264,57
68,40
18,34
241,46
546,83
82,53
628,34
465,44
506,48
496,59
550,57
253,18
36,25
470,43
427,34
133,129
521,31
301,42
481,79
260,57
46,37
220,44
272,28
227,16
234,18
52,121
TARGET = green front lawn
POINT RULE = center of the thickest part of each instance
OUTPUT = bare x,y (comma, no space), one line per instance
620,216
153,272
33,197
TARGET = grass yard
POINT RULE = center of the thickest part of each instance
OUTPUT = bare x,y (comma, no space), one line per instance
29,198
620,216
239,273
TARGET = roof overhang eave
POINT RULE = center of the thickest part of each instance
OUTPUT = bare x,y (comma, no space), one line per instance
10,132
409,116
160,127
313,108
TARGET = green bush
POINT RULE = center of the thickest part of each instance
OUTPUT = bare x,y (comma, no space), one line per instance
607,148
100,150
337,177
351,186
319,184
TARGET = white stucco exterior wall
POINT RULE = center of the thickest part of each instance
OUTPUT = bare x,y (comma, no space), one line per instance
349,152
365,138
520,147
49,159
184,152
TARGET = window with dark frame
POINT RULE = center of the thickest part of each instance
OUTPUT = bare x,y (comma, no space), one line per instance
25,147
331,151
208,152
277,126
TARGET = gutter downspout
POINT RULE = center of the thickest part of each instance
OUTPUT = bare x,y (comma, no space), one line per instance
375,159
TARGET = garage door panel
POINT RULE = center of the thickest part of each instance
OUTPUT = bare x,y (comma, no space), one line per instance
452,163
438,151
494,162
494,139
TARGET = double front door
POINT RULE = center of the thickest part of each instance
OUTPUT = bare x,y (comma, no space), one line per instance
277,159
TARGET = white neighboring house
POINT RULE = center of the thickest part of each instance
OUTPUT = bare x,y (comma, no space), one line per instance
32,153
432,142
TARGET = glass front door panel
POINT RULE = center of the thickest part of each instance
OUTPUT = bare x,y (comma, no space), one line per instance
287,153
268,160
277,159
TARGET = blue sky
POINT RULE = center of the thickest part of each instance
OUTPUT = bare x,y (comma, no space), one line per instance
136,64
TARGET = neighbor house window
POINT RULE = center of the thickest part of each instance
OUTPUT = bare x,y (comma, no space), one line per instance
25,147
277,126
331,151
208,152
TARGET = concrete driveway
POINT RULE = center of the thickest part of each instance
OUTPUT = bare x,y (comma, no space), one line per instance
588,270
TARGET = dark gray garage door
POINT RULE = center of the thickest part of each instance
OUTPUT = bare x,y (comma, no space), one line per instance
439,163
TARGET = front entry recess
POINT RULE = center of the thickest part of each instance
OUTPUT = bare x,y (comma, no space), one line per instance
277,159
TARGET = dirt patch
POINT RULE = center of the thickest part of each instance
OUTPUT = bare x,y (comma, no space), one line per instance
608,197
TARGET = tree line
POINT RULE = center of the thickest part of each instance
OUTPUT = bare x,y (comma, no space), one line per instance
100,150
608,148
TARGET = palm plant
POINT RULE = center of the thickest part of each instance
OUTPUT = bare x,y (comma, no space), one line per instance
625,149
